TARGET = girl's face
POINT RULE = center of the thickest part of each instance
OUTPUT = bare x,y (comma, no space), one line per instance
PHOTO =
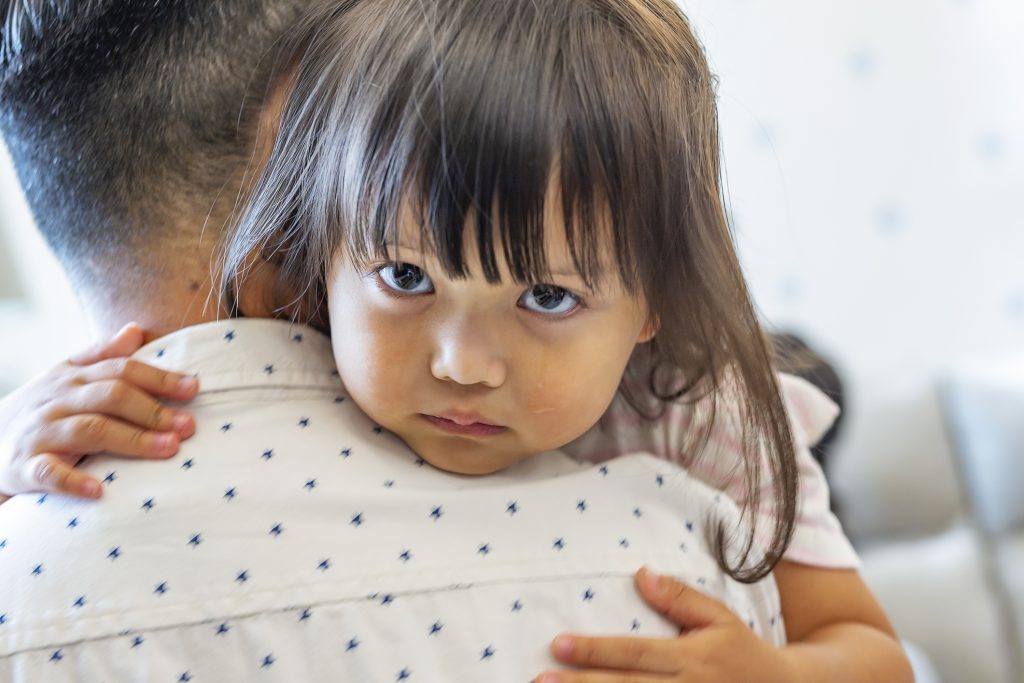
477,376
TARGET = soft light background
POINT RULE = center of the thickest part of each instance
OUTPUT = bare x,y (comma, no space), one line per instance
875,161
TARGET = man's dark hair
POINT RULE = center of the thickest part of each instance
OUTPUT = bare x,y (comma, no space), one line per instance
121,113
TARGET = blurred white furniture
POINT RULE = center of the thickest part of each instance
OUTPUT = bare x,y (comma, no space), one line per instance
958,594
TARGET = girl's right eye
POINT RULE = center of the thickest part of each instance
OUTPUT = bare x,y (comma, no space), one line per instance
405,278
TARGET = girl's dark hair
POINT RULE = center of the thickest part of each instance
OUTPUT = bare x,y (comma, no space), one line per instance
473,110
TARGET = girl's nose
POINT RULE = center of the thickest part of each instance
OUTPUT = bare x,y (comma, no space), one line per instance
467,354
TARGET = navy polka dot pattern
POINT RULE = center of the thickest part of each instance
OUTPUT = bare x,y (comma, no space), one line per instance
292,539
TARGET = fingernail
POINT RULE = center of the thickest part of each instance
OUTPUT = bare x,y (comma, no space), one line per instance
562,646
182,424
650,580
188,383
547,678
165,441
91,489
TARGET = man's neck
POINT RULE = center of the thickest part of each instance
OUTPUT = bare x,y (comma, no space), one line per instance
182,291
159,307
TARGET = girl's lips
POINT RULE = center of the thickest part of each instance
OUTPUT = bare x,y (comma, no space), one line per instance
471,429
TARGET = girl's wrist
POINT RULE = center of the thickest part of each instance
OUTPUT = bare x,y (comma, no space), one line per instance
793,665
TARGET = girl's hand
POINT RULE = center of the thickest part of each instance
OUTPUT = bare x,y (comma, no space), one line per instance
715,646
98,400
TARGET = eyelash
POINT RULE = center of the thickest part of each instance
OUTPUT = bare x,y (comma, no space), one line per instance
581,303
382,286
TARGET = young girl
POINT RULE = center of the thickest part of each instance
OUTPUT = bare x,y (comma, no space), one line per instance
509,216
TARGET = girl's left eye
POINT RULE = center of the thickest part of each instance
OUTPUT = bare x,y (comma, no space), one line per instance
549,300
405,278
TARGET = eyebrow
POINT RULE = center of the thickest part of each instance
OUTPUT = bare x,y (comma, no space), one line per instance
566,272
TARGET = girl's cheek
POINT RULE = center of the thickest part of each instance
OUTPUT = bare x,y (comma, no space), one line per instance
560,384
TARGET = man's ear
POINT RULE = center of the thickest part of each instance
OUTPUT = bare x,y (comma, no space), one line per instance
265,293
278,91
648,331
257,290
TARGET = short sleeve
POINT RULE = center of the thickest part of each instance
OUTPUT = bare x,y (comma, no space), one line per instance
818,537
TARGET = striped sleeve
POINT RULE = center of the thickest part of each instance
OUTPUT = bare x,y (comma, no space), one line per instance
818,538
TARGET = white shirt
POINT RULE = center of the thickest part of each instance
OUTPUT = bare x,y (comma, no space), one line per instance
292,539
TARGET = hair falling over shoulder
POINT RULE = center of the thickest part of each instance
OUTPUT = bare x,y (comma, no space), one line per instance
473,111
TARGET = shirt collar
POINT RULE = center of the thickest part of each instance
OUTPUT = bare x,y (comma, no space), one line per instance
246,353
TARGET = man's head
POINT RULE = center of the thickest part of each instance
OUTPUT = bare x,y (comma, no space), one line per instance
129,119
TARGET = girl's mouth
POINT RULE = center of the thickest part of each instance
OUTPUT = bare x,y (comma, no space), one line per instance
463,427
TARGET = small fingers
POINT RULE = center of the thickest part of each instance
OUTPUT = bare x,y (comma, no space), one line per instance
600,677
155,381
121,399
51,473
92,432
651,655
685,605
127,341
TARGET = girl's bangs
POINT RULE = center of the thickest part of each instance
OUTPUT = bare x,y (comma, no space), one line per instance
479,133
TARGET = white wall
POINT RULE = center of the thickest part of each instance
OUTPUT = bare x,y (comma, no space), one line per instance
875,160
42,323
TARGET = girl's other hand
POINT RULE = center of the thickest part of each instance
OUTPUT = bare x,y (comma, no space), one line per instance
98,400
715,646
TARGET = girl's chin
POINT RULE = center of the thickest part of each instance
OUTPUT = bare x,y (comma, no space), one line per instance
471,459
474,467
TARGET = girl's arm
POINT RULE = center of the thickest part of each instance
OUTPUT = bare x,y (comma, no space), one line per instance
836,631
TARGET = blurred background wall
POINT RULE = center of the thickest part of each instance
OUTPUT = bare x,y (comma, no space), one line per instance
874,154
875,160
